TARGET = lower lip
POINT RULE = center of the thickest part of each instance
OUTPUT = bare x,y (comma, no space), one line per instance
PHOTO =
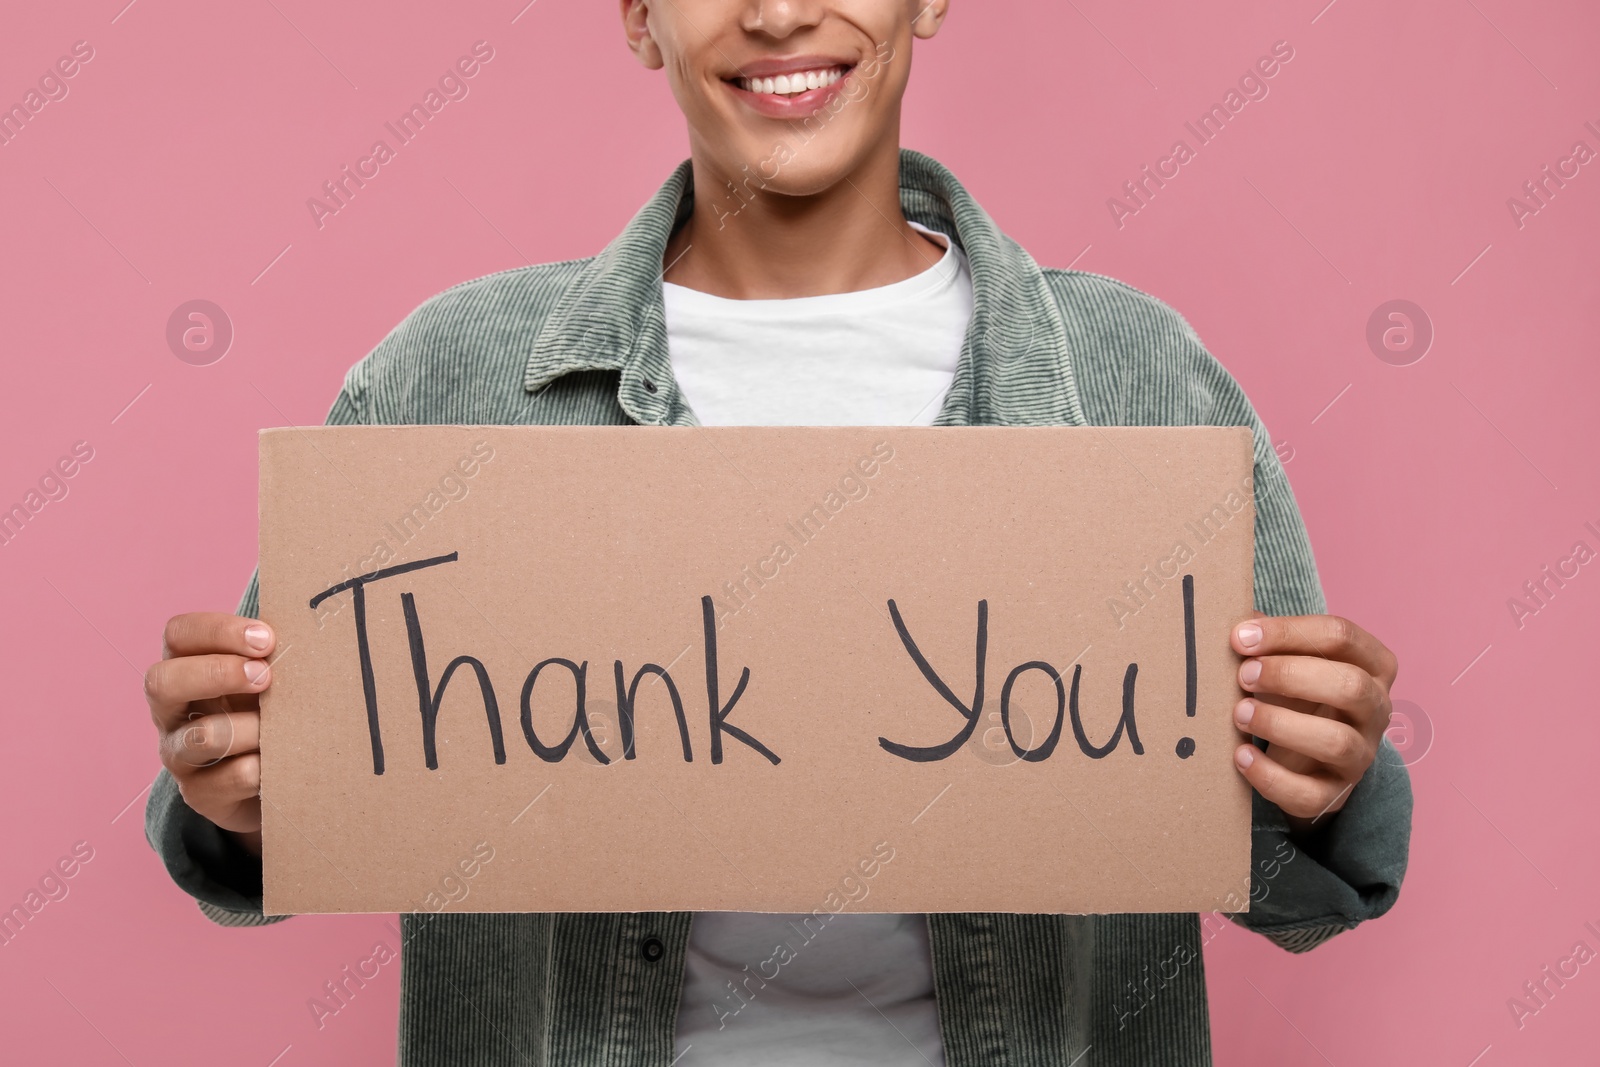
797,105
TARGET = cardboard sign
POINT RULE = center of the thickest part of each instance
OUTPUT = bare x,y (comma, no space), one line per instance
748,669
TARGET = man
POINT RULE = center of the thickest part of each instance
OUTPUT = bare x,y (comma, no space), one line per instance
802,268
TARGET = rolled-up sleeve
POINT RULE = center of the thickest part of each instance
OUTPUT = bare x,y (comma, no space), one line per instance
1306,888
1138,362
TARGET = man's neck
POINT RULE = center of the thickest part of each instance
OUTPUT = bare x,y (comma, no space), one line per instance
751,244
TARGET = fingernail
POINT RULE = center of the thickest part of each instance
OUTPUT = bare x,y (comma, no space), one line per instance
194,736
1244,712
254,671
259,637
1250,672
1249,635
1245,756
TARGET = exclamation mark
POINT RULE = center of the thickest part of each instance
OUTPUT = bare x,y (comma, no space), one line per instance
1186,744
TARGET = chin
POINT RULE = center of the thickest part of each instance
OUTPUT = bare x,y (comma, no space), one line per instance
786,164
809,175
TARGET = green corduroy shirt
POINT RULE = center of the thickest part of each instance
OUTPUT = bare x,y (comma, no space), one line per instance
585,342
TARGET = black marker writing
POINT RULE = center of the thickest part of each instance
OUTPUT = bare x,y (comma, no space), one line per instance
1066,704
1190,668
1105,750
369,686
719,725
934,753
430,697
1049,746
428,701
626,694
580,713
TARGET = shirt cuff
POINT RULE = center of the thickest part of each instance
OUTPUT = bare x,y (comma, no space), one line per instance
1305,888
204,860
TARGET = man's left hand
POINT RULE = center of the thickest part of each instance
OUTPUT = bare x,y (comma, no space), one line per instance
1319,695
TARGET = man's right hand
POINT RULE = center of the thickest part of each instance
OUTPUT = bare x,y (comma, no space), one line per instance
204,699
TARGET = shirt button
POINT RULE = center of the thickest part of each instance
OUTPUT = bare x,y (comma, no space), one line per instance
652,949
649,386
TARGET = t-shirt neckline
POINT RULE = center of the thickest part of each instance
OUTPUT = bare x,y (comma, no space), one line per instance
925,284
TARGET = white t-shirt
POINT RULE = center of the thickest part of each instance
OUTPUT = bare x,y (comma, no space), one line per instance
859,990
875,357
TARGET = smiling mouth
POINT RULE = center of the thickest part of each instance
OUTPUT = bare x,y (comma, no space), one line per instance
792,84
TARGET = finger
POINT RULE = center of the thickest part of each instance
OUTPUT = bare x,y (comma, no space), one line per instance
1301,796
227,793
1324,681
208,739
203,632
1328,636
172,684
1329,741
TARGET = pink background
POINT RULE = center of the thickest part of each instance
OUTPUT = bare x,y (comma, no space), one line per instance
1377,168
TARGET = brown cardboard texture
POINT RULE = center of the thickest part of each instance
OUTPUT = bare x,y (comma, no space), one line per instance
753,669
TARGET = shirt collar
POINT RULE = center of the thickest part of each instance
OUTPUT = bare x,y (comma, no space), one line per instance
1014,369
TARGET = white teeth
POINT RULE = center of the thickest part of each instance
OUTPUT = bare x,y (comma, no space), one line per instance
791,84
